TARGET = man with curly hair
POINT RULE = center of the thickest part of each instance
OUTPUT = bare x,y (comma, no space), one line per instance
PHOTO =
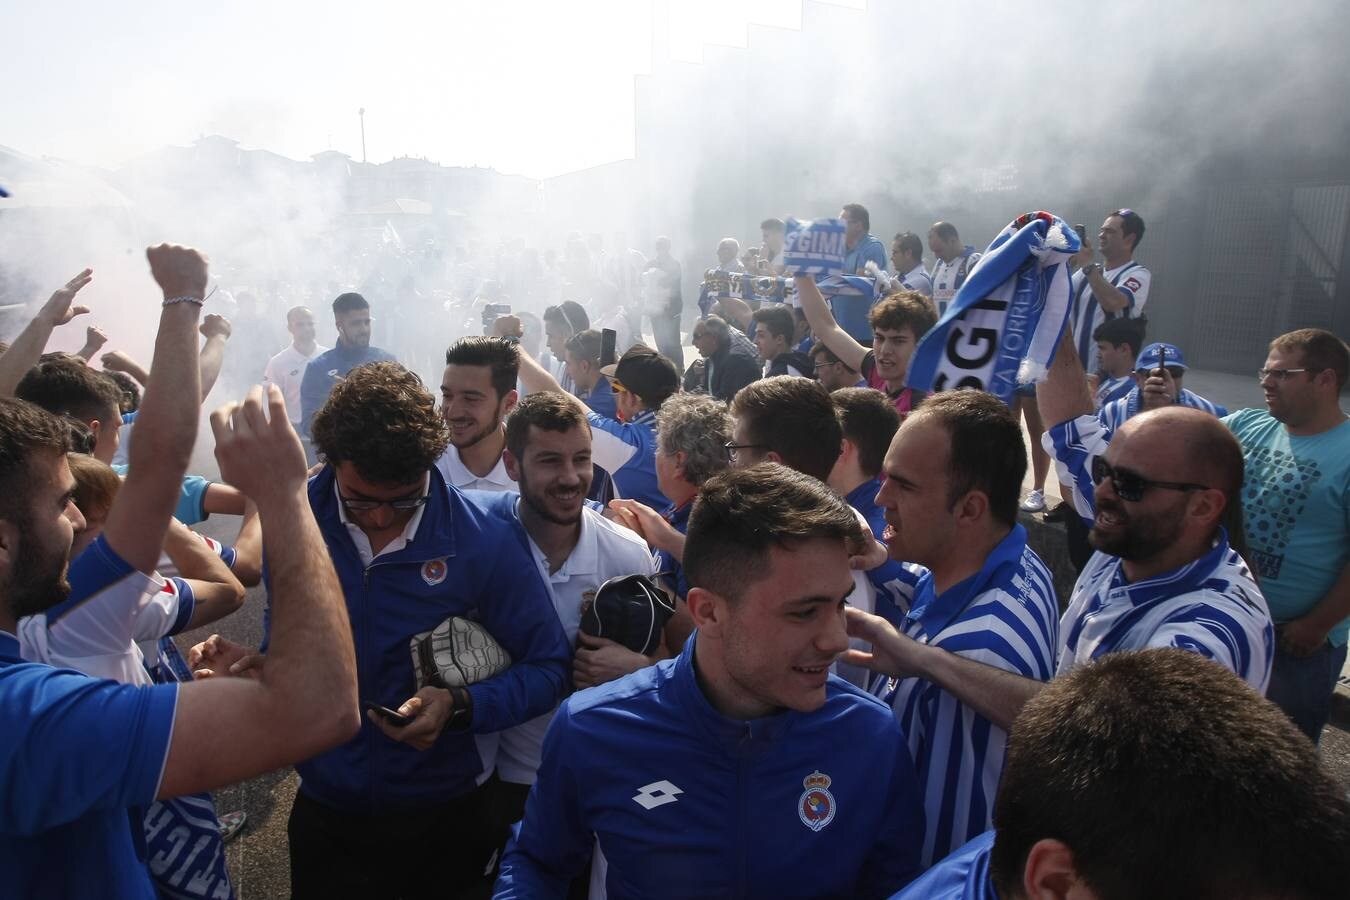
411,551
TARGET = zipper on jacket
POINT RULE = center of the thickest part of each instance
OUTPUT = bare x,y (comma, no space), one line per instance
743,816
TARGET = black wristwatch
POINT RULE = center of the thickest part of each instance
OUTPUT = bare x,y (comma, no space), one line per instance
1087,270
461,716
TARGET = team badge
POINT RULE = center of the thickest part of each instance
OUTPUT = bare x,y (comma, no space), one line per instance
816,804
1132,284
587,601
434,571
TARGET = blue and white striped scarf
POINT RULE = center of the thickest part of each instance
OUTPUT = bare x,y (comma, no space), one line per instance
1002,327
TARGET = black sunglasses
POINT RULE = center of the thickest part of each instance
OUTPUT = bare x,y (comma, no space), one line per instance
1131,485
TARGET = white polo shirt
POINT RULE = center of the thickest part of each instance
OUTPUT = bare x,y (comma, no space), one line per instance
363,548
287,370
458,474
603,551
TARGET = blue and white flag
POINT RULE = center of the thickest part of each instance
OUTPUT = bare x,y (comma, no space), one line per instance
849,286
1002,327
813,247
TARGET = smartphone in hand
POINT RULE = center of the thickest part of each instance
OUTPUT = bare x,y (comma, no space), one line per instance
389,715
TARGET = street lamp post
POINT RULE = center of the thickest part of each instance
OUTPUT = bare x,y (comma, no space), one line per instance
362,113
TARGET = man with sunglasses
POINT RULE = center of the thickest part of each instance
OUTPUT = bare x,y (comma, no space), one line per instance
1156,494
411,551
1296,503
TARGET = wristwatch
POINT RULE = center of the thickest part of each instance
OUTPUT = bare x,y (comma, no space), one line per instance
1087,270
461,716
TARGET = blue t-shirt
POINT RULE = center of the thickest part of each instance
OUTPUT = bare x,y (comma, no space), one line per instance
326,370
668,565
1296,505
191,498
601,399
851,311
80,757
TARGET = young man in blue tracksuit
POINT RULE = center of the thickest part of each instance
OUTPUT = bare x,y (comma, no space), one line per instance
410,551
743,767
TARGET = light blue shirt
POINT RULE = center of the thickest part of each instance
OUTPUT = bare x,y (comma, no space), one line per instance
1296,505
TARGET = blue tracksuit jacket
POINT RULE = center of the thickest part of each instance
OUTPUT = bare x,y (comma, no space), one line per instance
462,562
688,803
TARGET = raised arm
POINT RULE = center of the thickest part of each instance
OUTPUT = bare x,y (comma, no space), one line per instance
166,424
23,353
216,330
825,328
120,361
304,702
1064,393
94,339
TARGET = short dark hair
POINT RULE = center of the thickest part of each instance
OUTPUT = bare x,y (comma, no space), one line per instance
1318,350
776,320
869,419
569,313
1165,756
26,430
1122,331
858,213
903,309
1133,225
945,231
772,225
65,387
382,420
908,242
819,349
348,302
740,514
495,353
586,345
548,410
131,391
793,417
987,453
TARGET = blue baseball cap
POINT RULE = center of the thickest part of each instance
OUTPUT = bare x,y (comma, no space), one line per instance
1149,357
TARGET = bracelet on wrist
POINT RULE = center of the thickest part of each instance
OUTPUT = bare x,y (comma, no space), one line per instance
186,298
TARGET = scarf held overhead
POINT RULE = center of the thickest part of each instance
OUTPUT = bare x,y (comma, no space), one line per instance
1002,327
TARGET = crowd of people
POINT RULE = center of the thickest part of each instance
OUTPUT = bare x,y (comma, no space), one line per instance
597,623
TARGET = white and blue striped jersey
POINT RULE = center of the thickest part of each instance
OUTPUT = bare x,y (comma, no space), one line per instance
1211,605
1132,280
1005,616
1118,412
1112,389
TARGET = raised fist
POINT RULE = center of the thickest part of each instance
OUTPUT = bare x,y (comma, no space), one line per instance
94,337
179,271
215,326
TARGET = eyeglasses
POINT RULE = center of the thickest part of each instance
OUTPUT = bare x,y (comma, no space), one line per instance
825,365
403,503
733,448
1131,485
1277,374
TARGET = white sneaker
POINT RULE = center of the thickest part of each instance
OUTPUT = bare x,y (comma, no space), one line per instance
1035,502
